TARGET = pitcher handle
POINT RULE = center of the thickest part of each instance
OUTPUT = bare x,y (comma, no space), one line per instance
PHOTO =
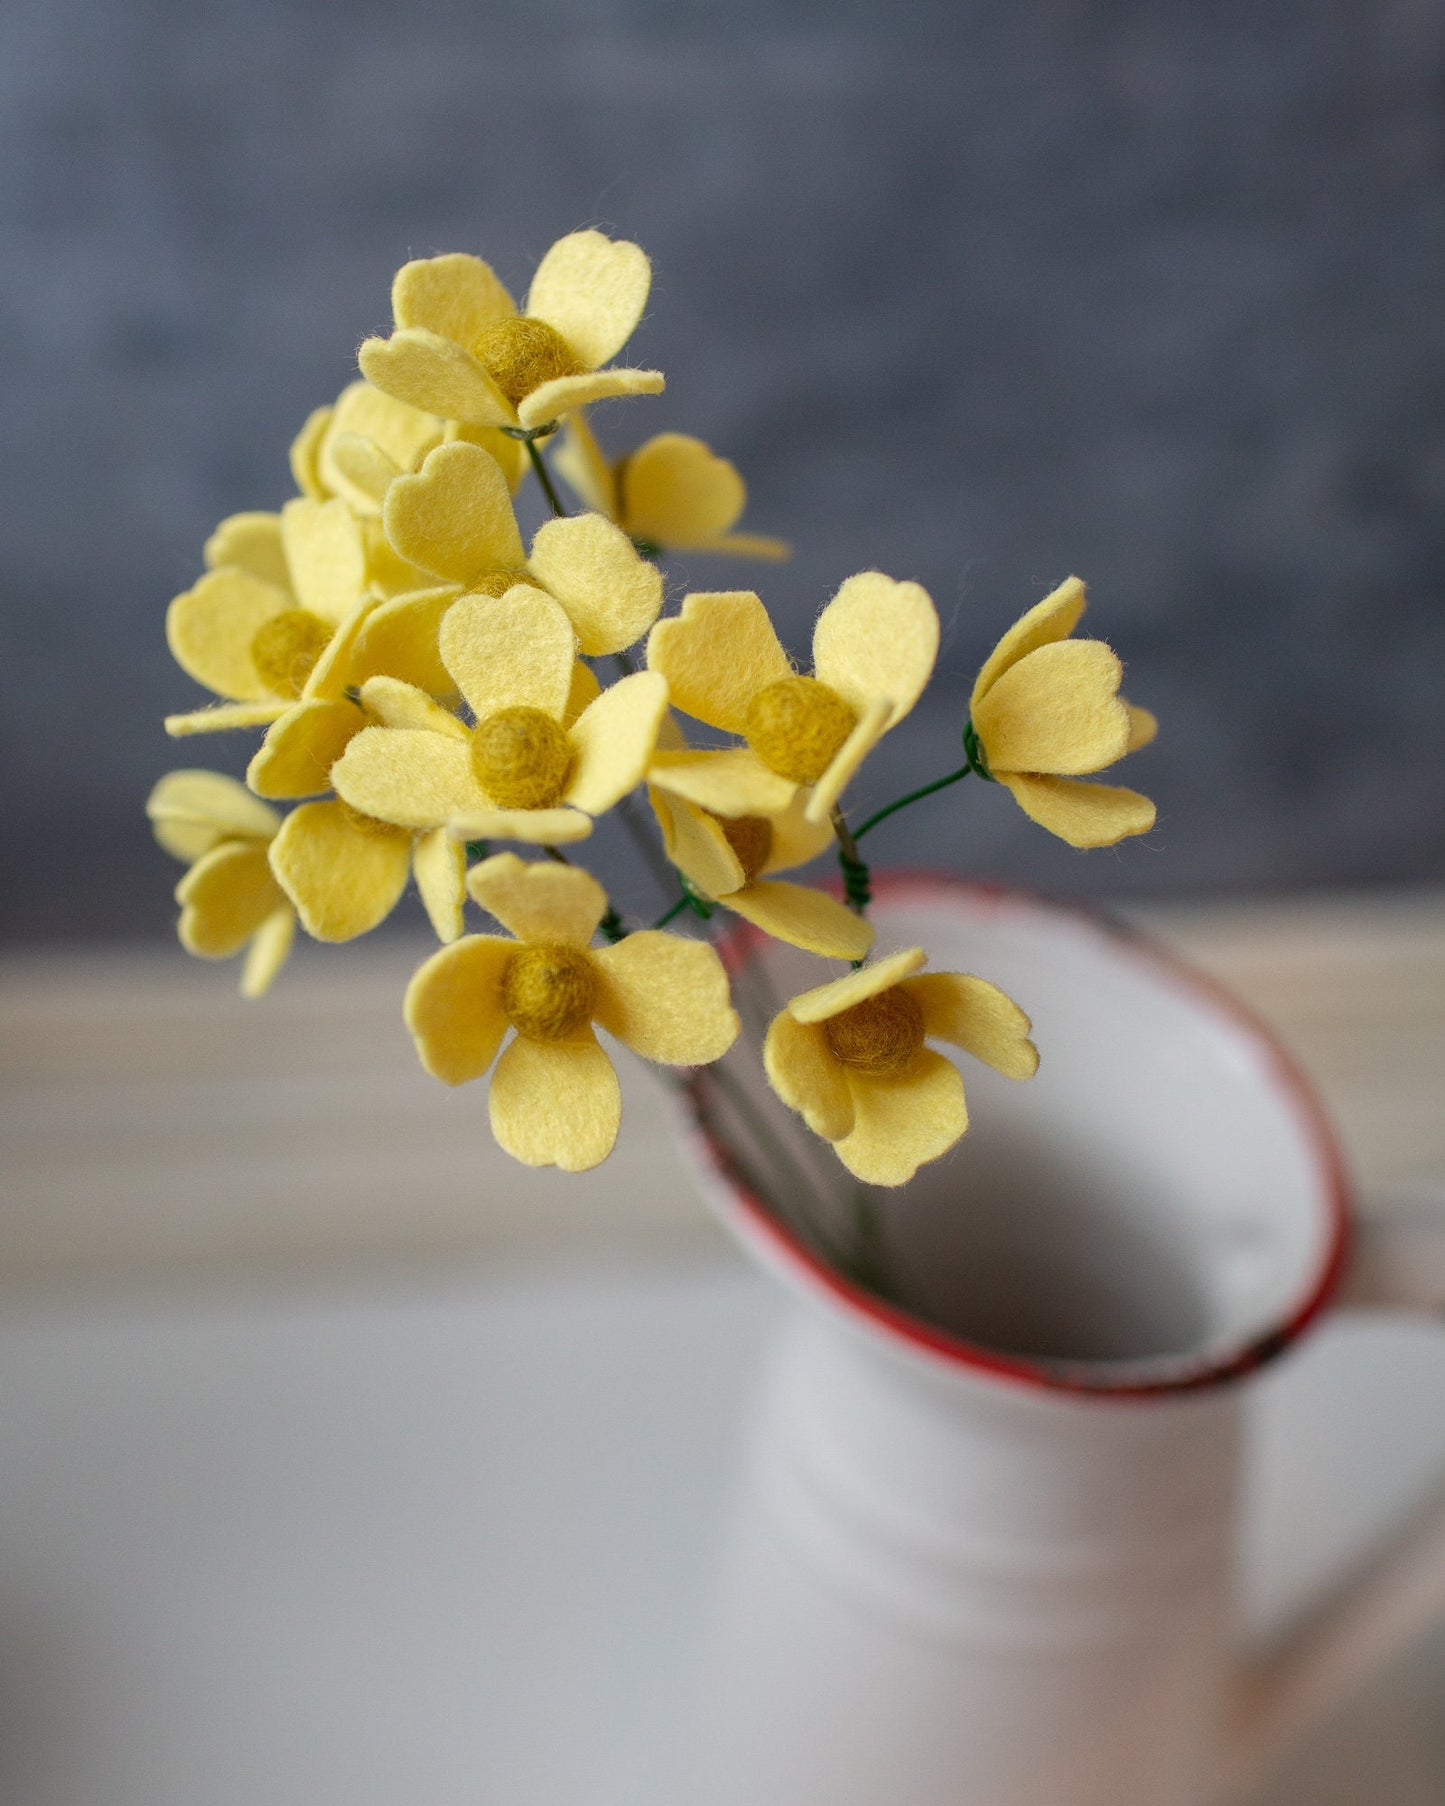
1397,1262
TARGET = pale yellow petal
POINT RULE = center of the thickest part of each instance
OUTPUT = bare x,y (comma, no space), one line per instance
534,827
454,517
434,374
901,1123
296,757
268,950
225,716
556,1103
210,629
439,865
549,401
455,295
225,897
868,730
512,651
807,1076
716,655
584,691
1143,727
408,776
539,901
612,594
193,811
252,542
1085,815
803,917
676,491
359,471
453,1007
978,1017
326,555
593,290
387,572
796,840
746,545
399,639
1055,618
344,877
666,997
579,460
509,453
305,449
405,434
842,993
331,676
731,782
397,704
877,638
695,843
1056,711
613,739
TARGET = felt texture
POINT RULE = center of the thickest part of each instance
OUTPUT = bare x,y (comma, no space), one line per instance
803,917
593,290
611,593
267,952
434,374
807,1075
563,393
296,757
454,516
193,811
556,1103
326,556
902,1122
1056,710
978,1017
510,454
695,843
1143,727
306,451
455,295
1085,815
675,490
582,464
224,716
796,840
522,353
387,572
516,652
798,727
399,639
409,776
332,674
439,865
612,741
877,638
716,655
403,434
211,626
872,724
225,897
557,827
251,542
392,703
731,782
453,1007
360,472
841,994
539,901
666,997
585,689
1055,618
343,878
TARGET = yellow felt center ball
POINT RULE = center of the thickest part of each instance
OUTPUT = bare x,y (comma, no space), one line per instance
883,1034
548,990
370,826
285,649
796,726
751,838
496,583
522,354
521,758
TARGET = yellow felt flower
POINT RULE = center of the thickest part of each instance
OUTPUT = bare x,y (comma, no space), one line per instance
850,1058
873,652
554,1096
547,753
461,349
274,614
673,493
1046,709
228,897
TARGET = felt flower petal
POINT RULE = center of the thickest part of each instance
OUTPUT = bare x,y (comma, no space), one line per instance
408,776
746,545
716,655
496,444
454,517
534,827
330,677
225,897
268,950
677,491
1143,727
613,739
296,757
396,704
434,374
695,843
867,731
551,400
612,594
539,901
796,840
455,295
224,716
343,877
666,997
731,782
802,1070
402,433
359,472
1057,710
901,1123
211,626
556,1103
803,917
305,451
512,651
1055,618
877,638
978,1017
454,1010
252,542
592,289
584,691
193,811
842,993
326,555
399,639
579,460
439,865
1085,815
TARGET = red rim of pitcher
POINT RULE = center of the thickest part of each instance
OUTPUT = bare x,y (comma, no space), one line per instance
1136,1379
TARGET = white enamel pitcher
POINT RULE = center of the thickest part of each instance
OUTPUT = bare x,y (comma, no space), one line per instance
986,1550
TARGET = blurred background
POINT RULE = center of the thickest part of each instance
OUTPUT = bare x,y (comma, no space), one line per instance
976,294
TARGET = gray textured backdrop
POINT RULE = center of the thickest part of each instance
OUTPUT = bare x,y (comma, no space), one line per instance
979,293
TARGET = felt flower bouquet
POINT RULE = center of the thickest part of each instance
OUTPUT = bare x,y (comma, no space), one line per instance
441,703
